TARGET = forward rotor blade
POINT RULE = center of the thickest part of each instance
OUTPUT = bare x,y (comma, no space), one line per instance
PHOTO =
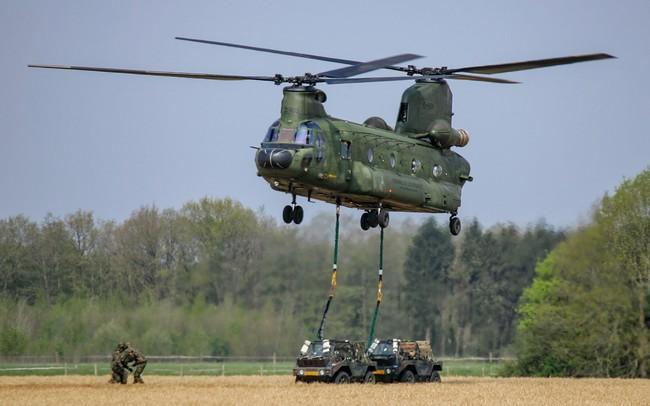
478,78
272,51
210,76
337,81
289,53
369,66
533,64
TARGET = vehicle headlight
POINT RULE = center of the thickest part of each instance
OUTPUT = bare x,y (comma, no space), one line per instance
388,370
301,372
322,372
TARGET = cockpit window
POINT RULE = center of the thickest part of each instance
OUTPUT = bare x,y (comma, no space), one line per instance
272,133
306,133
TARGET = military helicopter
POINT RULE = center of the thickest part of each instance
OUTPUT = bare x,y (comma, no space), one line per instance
368,166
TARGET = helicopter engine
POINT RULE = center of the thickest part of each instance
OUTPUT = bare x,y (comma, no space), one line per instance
449,137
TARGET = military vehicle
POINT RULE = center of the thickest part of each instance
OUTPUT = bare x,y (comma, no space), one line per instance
334,361
370,166
404,361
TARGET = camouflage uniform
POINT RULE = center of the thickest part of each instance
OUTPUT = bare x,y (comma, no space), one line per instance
119,372
139,362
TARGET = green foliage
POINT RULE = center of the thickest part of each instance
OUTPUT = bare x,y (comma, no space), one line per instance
587,311
12,342
217,278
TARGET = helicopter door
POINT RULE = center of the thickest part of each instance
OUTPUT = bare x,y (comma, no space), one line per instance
345,159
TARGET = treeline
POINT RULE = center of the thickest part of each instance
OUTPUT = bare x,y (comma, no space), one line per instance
587,312
216,278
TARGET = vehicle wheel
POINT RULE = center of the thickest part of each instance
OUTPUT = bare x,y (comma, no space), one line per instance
373,218
369,378
298,214
383,219
454,225
407,377
364,222
287,214
298,380
342,377
435,377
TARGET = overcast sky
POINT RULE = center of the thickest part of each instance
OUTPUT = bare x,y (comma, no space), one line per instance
548,148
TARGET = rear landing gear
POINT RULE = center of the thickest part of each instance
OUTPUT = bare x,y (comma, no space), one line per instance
293,213
374,218
454,225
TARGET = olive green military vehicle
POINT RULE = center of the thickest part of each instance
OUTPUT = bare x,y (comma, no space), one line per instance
404,361
334,361
370,166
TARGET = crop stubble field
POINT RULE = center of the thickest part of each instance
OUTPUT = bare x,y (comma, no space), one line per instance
281,390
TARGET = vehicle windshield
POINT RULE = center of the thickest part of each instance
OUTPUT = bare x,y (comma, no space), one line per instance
272,133
306,133
383,349
315,350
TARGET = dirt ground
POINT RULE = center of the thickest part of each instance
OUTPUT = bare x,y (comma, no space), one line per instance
281,390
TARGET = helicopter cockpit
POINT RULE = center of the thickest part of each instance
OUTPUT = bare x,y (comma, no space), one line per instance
307,133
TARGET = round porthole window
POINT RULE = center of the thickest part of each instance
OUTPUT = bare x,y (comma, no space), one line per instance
437,171
415,165
371,155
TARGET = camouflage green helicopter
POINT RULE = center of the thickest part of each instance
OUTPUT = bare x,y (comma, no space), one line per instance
368,166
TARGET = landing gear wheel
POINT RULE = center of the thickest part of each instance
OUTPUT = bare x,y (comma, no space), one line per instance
369,378
454,225
435,377
364,222
342,377
298,214
287,214
383,219
407,377
373,218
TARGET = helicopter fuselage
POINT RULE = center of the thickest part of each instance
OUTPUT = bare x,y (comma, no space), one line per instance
308,153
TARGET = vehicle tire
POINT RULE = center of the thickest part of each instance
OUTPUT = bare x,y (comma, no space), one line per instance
407,376
298,214
298,380
364,222
435,377
383,219
342,377
373,218
454,225
370,378
287,214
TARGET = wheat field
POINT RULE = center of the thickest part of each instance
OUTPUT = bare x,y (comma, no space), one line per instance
281,390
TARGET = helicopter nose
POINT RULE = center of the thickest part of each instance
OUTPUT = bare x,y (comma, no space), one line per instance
274,158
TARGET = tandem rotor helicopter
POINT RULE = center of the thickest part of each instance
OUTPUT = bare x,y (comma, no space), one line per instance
368,166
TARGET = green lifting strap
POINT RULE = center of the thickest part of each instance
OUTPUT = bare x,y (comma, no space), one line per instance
334,266
380,286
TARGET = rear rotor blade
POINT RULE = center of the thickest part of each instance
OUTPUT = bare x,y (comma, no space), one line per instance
338,81
369,66
533,64
210,76
478,78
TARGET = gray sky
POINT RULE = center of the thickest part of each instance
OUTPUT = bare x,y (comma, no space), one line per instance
549,147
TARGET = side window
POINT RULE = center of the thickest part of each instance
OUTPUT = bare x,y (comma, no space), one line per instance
272,133
345,149
403,112
320,148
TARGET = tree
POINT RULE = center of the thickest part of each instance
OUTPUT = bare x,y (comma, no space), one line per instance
587,312
428,286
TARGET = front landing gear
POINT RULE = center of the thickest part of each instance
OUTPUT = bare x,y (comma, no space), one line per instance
374,218
454,225
293,212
